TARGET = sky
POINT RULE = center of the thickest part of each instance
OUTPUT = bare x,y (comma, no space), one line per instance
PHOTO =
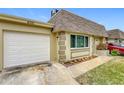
111,18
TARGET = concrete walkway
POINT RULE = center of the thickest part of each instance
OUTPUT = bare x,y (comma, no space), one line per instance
81,68
59,75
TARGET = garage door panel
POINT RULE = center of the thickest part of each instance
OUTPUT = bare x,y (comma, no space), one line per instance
24,48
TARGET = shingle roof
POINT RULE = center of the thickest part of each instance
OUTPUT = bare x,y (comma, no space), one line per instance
116,33
67,21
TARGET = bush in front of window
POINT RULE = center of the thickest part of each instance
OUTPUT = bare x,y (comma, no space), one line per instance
102,46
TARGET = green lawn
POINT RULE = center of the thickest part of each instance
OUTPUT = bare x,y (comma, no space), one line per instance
109,73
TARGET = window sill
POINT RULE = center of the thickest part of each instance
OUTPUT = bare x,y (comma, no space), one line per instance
79,48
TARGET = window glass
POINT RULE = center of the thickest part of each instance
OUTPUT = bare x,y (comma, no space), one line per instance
73,39
80,41
86,41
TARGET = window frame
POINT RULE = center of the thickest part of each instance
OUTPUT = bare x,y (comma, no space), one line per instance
76,42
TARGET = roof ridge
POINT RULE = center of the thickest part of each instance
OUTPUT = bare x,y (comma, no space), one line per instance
116,30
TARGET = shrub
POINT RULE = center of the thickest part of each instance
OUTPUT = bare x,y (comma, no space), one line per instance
115,53
101,47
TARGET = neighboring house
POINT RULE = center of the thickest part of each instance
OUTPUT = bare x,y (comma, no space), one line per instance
66,36
75,35
115,36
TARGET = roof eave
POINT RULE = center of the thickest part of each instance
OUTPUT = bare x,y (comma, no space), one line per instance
80,32
24,21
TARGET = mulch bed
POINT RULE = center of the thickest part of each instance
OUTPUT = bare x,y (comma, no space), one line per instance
78,60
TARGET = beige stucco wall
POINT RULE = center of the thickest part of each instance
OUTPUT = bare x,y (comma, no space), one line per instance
1,49
9,26
96,41
92,48
54,47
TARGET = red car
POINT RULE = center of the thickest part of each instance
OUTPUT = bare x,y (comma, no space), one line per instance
120,49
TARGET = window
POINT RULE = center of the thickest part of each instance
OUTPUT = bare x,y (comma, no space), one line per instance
78,41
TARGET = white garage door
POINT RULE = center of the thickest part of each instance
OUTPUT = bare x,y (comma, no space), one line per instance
25,48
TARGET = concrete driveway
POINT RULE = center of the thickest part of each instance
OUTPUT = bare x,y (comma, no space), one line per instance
56,74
